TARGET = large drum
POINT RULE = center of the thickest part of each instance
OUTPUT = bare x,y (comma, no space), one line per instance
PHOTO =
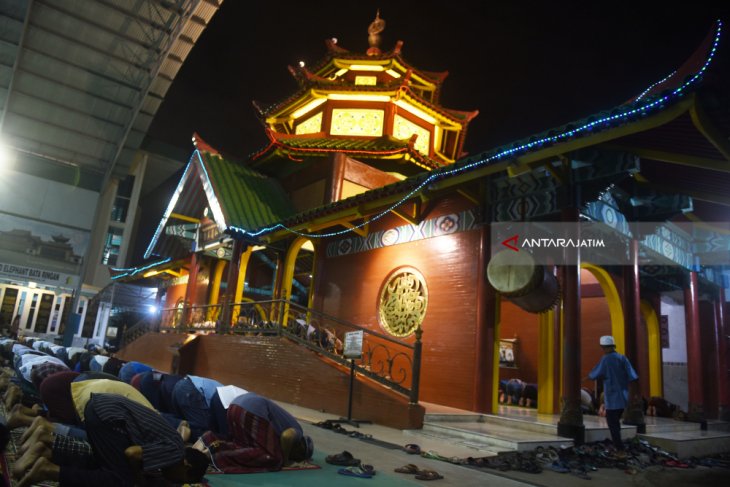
518,278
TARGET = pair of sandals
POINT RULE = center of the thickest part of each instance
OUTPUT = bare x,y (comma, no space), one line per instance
344,459
362,471
425,474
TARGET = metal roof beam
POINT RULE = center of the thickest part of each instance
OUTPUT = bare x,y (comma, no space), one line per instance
75,88
105,77
84,166
65,128
102,27
177,31
133,15
70,108
91,47
16,63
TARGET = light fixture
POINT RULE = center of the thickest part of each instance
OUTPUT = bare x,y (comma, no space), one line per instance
366,67
308,107
344,96
415,111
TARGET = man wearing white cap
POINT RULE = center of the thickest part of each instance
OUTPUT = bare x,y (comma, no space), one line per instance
616,372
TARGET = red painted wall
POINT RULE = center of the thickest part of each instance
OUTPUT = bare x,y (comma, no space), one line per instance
349,288
518,323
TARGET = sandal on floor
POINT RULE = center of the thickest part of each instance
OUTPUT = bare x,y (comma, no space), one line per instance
410,469
412,448
344,459
368,468
429,475
433,455
355,471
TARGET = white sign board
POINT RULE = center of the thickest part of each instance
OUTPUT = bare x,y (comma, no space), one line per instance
353,344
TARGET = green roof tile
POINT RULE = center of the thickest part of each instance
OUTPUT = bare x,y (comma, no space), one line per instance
247,198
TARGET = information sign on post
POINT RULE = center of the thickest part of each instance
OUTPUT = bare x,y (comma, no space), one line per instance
353,344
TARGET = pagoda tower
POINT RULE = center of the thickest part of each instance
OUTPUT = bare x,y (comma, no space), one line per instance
356,109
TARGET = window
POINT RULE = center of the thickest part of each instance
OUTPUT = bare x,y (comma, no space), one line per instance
364,122
404,128
312,125
366,80
121,202
112,245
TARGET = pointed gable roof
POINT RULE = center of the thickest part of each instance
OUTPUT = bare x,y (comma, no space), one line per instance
236,195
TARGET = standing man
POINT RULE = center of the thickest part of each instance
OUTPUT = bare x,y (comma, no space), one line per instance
616,372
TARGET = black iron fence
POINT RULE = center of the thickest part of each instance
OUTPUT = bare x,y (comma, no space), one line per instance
391,362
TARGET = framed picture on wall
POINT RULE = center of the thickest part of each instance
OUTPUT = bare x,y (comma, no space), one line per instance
508,353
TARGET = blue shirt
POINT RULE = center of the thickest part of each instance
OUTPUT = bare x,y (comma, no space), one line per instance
130,369
278,417
616,372
206,386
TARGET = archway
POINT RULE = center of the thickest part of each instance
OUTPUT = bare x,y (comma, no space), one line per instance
613,300
299,272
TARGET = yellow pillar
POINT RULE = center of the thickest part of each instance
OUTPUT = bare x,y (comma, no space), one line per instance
654,343
495,355
216,284
286,282
245,256
215,290
546,363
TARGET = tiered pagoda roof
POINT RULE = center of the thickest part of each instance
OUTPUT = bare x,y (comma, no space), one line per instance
374,101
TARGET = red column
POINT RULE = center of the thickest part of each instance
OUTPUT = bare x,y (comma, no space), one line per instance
635,337
557,351
570,424
694,349
723,378
485,332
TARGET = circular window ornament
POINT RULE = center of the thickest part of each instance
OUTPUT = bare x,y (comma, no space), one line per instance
403,301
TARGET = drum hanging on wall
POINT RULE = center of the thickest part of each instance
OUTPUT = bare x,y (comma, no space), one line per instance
517,277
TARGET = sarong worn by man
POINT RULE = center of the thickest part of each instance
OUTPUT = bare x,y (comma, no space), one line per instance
262,437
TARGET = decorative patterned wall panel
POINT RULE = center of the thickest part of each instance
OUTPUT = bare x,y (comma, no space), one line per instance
433,227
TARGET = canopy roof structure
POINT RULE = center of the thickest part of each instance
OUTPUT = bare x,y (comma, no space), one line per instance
81,80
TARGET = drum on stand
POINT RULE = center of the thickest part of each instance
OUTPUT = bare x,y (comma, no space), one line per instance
517,277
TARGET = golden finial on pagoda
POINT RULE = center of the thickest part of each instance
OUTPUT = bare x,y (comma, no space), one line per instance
374,29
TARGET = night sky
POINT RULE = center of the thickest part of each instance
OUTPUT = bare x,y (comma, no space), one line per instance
526,66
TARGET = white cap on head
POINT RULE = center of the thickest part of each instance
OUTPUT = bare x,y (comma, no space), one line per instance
607,341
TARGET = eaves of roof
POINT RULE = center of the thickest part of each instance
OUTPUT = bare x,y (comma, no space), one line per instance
320,145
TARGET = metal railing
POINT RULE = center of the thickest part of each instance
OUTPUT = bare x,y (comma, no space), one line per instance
391,362
137,330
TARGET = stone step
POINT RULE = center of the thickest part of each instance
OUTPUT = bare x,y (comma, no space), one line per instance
493,436
717,425
685,444
549,427
672,427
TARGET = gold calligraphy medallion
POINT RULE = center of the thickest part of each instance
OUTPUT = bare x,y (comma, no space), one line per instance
403,301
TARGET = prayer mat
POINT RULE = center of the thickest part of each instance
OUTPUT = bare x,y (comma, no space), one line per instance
306,465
